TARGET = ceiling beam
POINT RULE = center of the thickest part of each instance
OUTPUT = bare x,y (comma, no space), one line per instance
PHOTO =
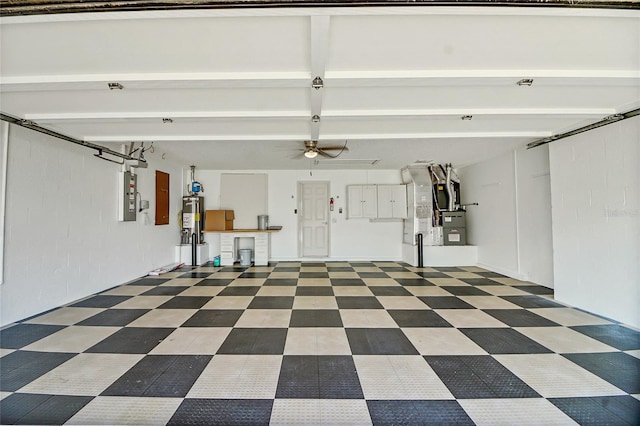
319,52
329,137
335,114
331,79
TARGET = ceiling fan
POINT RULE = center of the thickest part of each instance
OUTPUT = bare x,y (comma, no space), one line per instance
312,150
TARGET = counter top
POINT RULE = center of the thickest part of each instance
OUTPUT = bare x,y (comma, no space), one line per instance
240,231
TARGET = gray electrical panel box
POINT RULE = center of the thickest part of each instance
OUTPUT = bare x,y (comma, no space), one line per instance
127,197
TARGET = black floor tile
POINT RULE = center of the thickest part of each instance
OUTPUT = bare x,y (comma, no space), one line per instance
389,291
195,275
149,281
433,275
314,291
362,265
186,302
465,290
372,275
223,412
358,302
254,275
165,291
393,269
445,302
346,281
379,341
318,377
271,302
315,318
490,274
21,335
131,340
185,268
417,318
20,368
615,335
520,318
214,318
102,301
417,412
266,341
413,282
286,269
35,409
601,410
503,341
448,269
535,289
240,290
531,302
289,282
339,268
215,282
313,275
619,369
478,376
479,281
114,317
168,376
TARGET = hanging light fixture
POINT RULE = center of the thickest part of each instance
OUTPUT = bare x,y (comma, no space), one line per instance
311,153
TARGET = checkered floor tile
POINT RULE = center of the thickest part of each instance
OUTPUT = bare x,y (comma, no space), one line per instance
320,343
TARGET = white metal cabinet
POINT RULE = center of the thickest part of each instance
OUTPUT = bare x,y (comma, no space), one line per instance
392,202
362,201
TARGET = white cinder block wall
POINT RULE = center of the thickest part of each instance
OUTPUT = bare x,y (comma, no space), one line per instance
62,238
350,239
595,183
512,223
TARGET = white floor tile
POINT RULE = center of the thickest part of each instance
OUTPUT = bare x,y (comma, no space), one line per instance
525,411
84,374
119,410
554,376
239,377
398,377
192,341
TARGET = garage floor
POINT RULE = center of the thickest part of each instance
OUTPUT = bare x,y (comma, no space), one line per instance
320,343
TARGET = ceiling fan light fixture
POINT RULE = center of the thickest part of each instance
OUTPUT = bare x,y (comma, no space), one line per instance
311,154
525,82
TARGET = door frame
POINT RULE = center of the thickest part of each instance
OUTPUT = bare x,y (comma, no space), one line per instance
299,185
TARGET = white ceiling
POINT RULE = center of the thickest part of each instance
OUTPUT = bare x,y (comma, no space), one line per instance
237,82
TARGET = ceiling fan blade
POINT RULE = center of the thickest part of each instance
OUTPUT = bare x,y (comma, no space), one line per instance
334,148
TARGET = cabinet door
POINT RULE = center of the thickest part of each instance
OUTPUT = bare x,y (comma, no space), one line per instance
354,200
369,201
399,201
385,201
162,198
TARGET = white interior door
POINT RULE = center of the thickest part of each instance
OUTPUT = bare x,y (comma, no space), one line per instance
313,218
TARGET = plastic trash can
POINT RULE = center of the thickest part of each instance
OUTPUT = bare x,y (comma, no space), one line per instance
245,257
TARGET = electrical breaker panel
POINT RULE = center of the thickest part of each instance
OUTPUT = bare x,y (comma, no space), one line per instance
127,197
